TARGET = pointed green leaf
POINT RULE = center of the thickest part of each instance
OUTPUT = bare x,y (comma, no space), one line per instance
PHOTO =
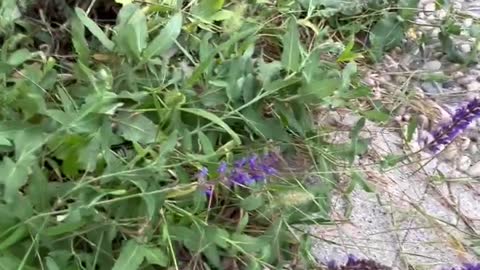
155,256
132,32
291,47
166,38
94,29
14,176
137,128
78,39
216,120
131,256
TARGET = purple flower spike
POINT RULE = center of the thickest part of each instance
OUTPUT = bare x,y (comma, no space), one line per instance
356,264
246,171
462,118
469,266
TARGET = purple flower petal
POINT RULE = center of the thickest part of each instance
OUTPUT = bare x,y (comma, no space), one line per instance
222,168
462,118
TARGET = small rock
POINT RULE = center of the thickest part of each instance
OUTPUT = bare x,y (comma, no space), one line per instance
369,81
473,149
464,163
465,48
474,170
430,7
457,74
449,84
468,22
430,88
432,65
465,80
474,86
441,14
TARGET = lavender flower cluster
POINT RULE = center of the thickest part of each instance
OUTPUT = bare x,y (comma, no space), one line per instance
462,118
354,263
246,171
467,266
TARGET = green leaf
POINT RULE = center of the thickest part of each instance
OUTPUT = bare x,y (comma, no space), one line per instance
155,256
268,128
78,40
51,264
166,38
64,228
132,31
315,90
18,57
412,126
213,256
376,115
385,35
131,256
360,181
408,8
347,55
347,74
219,236
209,59
354,135
207,8
215,119
245,243
136,128
291,47
94,29
252,202
13,238
391,160
15,175
205,143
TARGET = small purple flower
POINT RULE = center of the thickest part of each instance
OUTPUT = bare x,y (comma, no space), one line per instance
258,169
222,169
203,172
209,191
462,118
467,266
240,163
355,264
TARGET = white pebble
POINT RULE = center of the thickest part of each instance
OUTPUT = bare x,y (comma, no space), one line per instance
473,149
474,170
468,22
432,65
441,14
430,7
464,163
465,80
465,48
473,86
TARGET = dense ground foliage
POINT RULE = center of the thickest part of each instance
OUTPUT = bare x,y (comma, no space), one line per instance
160,135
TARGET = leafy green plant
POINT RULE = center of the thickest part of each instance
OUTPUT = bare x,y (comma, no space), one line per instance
100,151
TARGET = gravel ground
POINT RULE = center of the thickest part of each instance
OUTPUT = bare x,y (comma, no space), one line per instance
424,213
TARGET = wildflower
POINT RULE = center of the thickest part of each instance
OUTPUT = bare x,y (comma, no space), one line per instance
222,168
354,264
468,266
462,118
258,170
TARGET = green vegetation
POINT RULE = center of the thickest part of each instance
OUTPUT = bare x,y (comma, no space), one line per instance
107,117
